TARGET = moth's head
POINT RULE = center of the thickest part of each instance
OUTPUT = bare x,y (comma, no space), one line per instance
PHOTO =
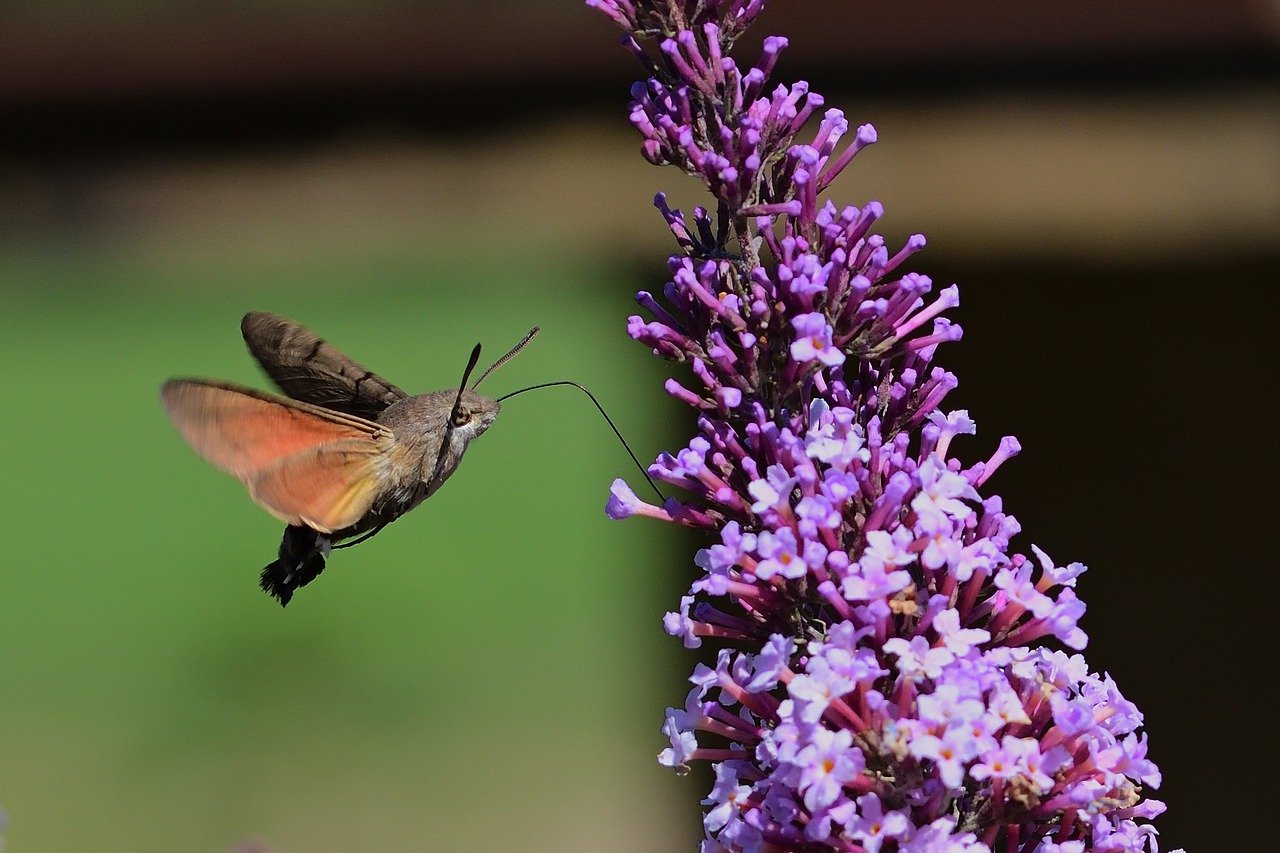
474,415
473,412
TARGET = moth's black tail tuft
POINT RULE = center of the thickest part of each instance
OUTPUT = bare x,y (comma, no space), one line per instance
302,554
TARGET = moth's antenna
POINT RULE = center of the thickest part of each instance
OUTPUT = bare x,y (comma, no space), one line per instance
608,419
453,416
510,355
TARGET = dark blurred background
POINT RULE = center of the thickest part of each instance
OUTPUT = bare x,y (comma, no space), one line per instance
1102,179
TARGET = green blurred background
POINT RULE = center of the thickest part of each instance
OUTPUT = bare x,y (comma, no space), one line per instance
489,674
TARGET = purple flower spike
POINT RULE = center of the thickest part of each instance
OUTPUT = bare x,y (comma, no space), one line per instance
890,671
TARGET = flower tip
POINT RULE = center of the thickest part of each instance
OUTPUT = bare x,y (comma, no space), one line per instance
867,134
1075,639
730,398
622,502
651,151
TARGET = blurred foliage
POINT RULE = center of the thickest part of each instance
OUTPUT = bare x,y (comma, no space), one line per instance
486,674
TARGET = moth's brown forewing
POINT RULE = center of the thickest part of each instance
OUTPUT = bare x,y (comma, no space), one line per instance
307,368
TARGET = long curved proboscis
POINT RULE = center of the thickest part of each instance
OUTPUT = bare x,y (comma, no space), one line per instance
603,413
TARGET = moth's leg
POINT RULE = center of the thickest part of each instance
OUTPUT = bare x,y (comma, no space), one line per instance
301,559
365,538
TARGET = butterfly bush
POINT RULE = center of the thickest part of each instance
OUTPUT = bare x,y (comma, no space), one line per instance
891,674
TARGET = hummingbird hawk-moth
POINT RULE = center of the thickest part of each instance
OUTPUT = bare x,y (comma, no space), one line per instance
338,459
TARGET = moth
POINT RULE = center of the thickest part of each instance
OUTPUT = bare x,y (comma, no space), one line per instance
345,453
342,456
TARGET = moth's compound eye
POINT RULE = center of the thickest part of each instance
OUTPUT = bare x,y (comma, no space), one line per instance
462,416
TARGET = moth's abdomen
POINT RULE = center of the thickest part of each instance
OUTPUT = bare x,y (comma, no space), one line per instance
301,560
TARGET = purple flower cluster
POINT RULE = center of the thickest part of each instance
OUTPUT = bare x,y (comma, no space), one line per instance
875,686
